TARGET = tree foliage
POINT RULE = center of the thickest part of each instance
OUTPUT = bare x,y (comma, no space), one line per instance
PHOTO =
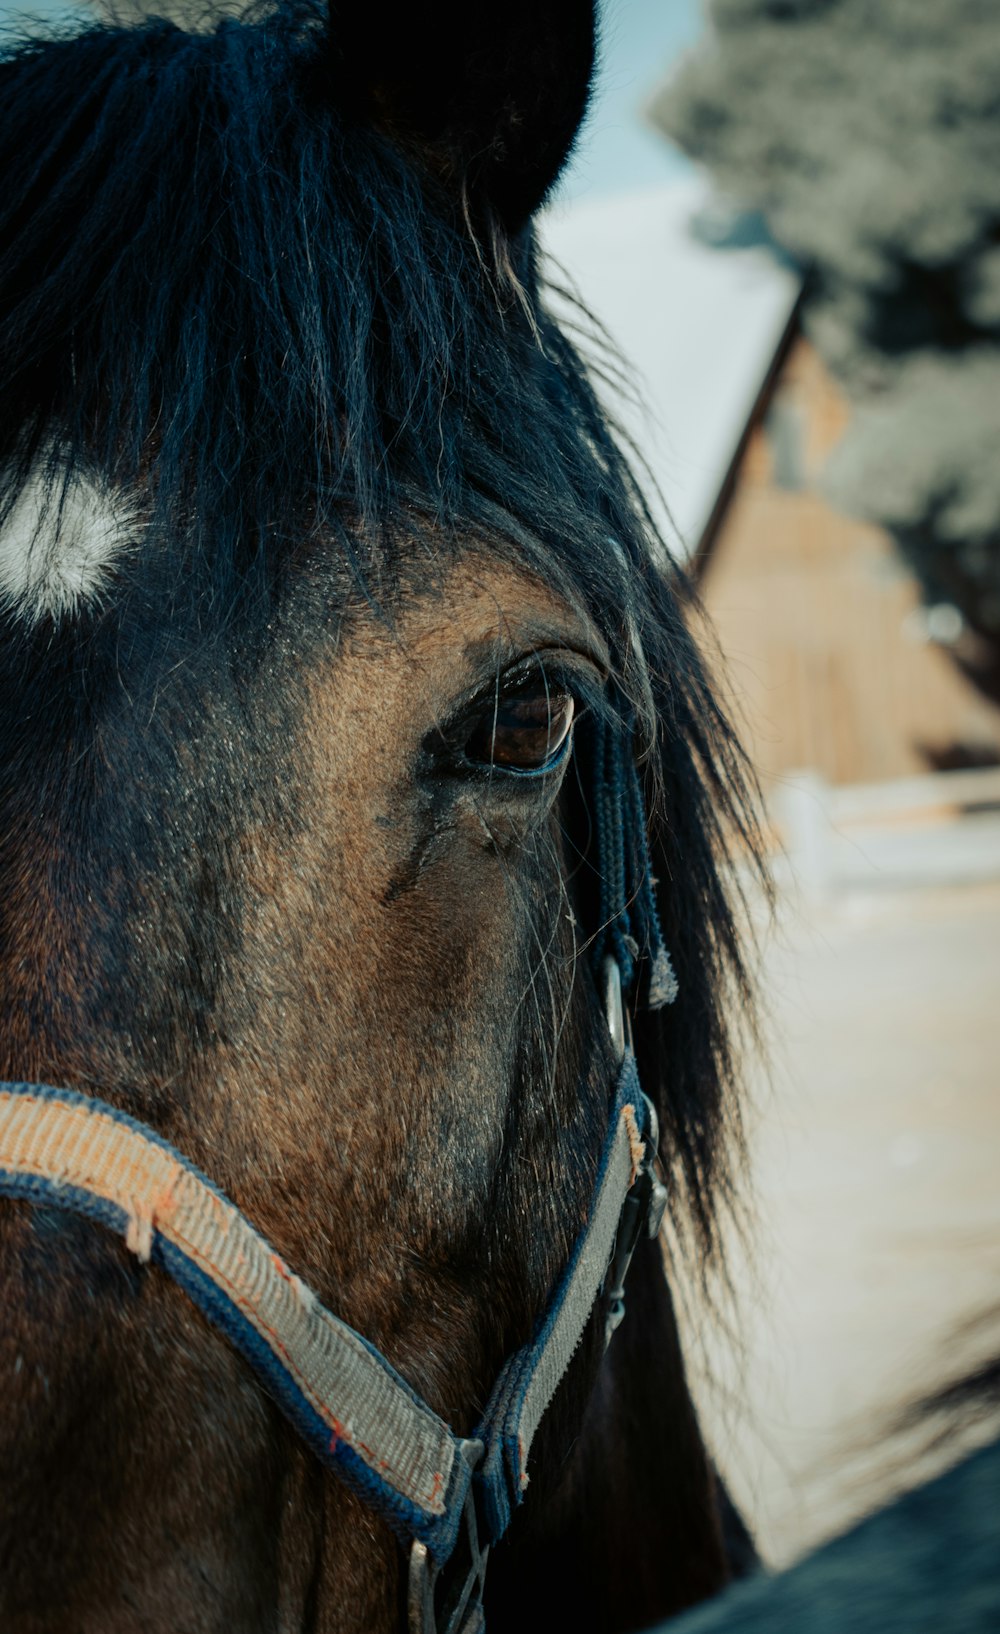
868,134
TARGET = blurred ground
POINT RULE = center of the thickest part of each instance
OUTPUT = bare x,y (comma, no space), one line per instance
875,1158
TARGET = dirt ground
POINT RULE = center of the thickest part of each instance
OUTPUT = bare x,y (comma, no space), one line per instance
876,1160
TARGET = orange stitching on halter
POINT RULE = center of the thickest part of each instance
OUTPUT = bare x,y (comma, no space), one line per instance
144,1216
340,1433
110,1177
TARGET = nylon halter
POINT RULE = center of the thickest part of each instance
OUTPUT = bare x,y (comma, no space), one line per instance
450,1498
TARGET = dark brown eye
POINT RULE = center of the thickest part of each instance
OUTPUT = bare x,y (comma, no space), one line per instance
523,732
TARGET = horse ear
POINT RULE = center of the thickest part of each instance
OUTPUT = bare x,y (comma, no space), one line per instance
493,91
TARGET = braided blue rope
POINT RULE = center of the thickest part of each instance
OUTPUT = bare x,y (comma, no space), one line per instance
628,918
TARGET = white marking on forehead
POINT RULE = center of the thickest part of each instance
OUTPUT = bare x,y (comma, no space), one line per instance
59,544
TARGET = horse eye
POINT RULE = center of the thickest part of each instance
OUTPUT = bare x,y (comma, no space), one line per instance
523,732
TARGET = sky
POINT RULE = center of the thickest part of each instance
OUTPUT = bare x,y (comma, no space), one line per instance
617,152
9,13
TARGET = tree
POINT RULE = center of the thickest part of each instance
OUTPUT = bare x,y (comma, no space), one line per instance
868,134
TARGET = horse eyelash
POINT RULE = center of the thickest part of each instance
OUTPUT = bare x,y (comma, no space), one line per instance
556,674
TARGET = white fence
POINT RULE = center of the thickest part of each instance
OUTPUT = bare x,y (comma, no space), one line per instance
940,829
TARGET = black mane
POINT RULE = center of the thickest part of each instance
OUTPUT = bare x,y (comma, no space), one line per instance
223,286
213,261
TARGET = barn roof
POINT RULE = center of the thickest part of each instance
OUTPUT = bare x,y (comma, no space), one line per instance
698,300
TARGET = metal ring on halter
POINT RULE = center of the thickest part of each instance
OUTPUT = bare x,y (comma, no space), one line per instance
614,1007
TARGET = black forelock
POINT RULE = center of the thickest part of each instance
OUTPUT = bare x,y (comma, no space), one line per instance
216,275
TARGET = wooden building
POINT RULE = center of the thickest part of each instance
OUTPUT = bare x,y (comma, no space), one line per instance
831,659
831,662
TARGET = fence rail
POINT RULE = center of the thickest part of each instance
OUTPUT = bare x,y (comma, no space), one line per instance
941,828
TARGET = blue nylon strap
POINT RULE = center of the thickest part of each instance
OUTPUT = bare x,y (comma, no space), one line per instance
511,1417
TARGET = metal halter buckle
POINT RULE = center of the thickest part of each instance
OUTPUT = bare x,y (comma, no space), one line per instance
448,1599
646,1203
644,1207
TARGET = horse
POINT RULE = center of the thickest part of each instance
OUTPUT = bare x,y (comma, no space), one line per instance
357,750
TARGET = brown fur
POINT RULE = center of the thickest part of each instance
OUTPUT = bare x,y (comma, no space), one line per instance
388,1004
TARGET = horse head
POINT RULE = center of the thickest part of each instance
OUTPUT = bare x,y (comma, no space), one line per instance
326,595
